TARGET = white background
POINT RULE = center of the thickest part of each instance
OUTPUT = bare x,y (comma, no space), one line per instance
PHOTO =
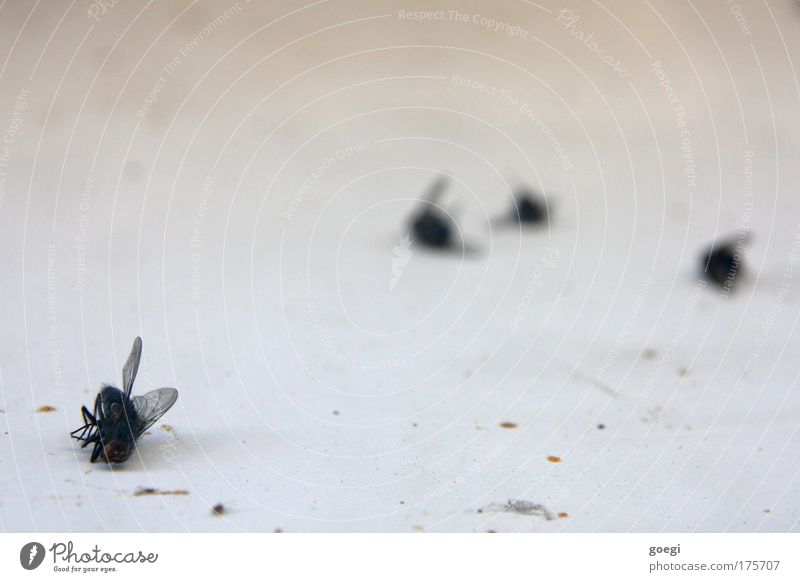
217,222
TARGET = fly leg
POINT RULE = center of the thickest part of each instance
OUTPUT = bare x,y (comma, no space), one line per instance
85,433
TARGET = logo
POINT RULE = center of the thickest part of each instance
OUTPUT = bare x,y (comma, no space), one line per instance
31,555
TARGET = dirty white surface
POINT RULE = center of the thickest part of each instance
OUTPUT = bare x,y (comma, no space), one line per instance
243,221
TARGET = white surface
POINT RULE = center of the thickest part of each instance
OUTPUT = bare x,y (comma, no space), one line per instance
285,414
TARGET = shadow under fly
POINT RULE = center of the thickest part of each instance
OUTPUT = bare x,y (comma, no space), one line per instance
433,227
118,420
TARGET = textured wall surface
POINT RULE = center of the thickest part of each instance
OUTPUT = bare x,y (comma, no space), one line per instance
231,181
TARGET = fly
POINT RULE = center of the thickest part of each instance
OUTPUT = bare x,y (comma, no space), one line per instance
118,419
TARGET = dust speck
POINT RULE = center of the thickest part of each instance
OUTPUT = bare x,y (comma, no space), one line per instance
554,459
418,528
143,491
508,424
563,515
650,354
45,409
218,509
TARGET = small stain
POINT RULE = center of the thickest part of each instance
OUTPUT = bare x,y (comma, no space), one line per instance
415,425
141,491
278,530
402,503
563,515
491,531
683,372
218,509
167,428
601,427
767,511
650,354
418,528
508,424
45,409
336,413
554,459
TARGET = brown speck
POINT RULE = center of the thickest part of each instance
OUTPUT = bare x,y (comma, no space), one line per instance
563,515
45,409
218,509
683,372
167,428
278,530
650,354
767,511
418,528
508,424
554,459
151,491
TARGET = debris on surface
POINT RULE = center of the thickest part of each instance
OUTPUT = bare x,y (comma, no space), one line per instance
521,507
141,491
508,424
554,459
218,509
45,409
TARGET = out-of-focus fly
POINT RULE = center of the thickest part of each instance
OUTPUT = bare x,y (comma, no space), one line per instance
118,419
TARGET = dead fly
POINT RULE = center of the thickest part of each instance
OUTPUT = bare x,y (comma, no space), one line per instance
529,209
118,419
433,227
722,262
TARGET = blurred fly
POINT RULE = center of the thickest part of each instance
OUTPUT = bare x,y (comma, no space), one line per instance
118,419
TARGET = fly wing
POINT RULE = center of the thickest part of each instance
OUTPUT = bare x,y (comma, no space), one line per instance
152,406
131,366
